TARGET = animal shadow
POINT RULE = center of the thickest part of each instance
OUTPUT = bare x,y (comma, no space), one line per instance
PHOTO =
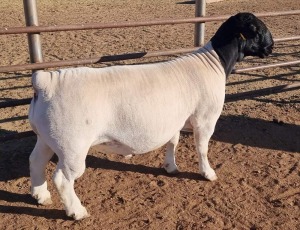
96,162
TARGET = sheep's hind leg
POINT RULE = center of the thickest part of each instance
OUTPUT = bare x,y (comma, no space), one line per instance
169,162
64,177
38,159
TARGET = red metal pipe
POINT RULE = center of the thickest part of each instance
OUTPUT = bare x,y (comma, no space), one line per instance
34,40
92,60
39,29
287,39
242,70
119,57
200,11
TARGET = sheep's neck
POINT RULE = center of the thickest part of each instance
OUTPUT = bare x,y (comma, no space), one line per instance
228,53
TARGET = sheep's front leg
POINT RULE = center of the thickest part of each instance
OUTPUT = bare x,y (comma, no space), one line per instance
202,135
169,163
38,159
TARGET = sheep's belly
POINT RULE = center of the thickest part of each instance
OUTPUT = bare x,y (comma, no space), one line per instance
114,147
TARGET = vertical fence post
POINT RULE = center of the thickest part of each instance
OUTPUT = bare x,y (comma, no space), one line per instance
34,41
200,8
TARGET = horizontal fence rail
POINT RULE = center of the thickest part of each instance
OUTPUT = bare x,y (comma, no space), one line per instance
280,64
93,60
118,57
92,26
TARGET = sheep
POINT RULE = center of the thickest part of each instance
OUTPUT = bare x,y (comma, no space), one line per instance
134,109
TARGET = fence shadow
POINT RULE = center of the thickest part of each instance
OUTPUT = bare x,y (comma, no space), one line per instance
16,88
256,132
50,214
257,78
14,156
12,197
186,3
17,76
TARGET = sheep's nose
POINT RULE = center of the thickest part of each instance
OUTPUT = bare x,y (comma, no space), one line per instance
268,50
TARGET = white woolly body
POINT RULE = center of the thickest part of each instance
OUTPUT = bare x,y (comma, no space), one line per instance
139,107
122,109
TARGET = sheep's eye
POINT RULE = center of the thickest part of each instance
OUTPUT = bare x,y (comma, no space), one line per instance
256,39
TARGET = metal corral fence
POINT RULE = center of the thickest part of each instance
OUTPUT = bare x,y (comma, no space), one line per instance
33,30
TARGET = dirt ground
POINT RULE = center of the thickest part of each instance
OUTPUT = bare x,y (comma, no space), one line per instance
255,148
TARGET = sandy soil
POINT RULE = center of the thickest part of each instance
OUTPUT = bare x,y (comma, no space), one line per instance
255,149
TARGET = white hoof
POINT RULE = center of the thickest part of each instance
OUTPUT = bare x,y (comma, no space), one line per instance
45,202
43,198
79,214
210,175
127,157
171,169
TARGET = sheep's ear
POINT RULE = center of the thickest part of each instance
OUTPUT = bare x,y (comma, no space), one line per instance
244,17
245,24
253,28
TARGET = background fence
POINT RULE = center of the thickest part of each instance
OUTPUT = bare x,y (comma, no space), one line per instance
33,29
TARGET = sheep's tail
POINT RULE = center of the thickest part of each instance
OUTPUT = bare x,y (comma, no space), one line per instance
41,82
42,85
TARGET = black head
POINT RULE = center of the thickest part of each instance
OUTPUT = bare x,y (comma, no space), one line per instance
254,38
241,35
